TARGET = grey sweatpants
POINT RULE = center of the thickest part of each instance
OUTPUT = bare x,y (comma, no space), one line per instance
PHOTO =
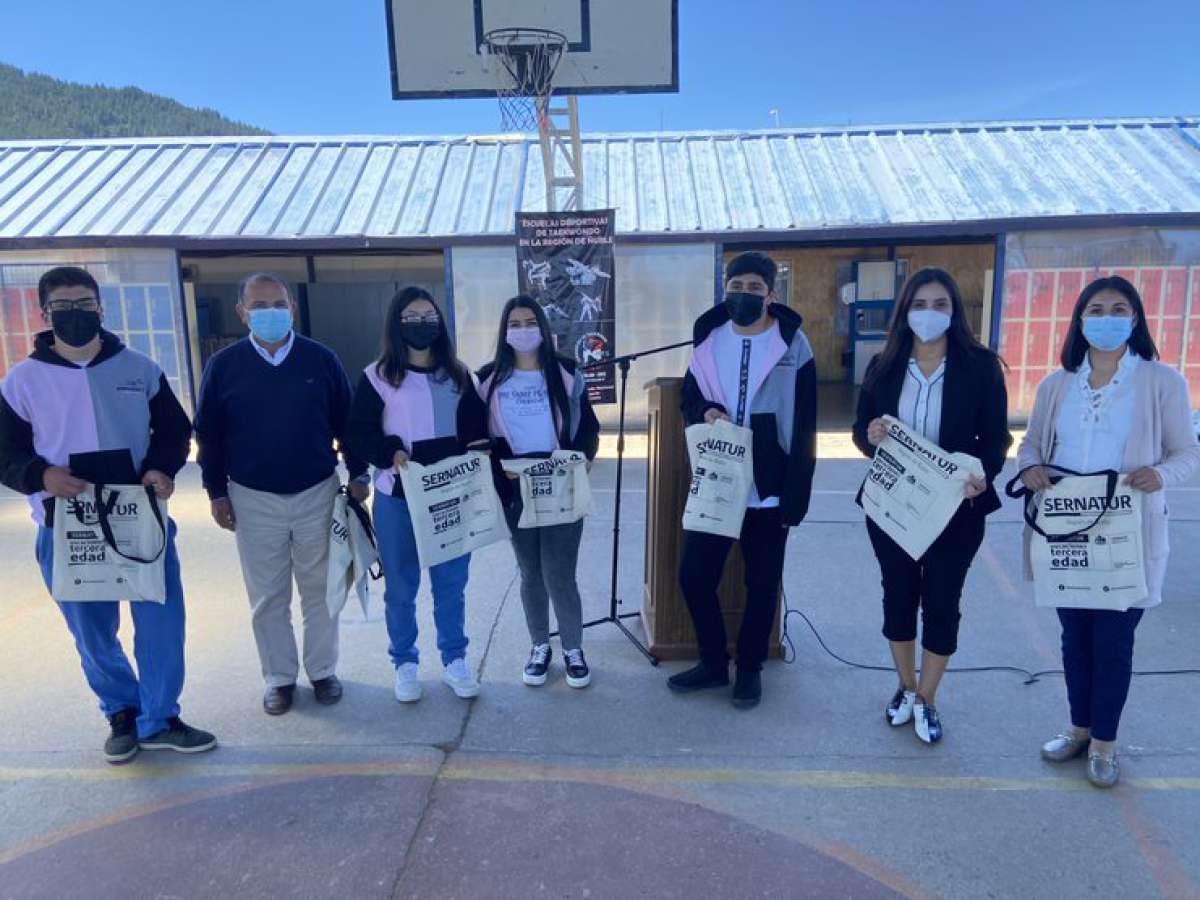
546,557
281,536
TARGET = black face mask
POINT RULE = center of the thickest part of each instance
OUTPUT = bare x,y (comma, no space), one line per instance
419,335
744,308
75,327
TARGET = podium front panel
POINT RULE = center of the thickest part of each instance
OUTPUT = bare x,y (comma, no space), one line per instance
664,612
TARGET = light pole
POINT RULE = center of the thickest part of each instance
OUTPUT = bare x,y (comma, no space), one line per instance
775,113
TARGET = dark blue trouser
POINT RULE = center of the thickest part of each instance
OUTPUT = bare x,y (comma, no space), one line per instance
158,630
1097,650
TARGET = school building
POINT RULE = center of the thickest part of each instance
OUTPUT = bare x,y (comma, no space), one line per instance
1022,213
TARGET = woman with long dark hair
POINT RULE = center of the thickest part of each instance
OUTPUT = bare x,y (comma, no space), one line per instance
934,376
1112,406
416,402
537,403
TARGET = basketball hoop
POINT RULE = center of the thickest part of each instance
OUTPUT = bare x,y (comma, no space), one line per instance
528,59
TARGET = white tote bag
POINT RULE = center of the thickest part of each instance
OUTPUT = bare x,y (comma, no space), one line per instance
554,491
914,487
353,554
114,549
1086,543
722,458
454,507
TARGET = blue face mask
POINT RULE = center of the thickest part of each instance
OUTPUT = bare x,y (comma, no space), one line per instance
270,325
1107,332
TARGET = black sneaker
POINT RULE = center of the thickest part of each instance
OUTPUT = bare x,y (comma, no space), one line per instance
747,688
122,743
698,678
180,737
578,675
539,663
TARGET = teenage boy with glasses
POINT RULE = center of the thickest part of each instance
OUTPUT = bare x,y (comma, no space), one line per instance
84,407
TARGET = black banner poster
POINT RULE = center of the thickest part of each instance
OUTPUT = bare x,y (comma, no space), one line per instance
565,261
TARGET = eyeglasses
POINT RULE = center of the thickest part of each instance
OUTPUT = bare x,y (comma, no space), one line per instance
86,304
420,320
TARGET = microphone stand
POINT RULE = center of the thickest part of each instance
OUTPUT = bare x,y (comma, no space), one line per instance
614,602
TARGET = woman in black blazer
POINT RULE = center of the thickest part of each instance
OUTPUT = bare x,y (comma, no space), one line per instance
939,380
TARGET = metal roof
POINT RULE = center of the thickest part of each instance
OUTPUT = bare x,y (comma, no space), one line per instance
362,188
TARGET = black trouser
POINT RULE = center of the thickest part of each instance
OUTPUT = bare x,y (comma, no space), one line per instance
763,540
932,584
1097,652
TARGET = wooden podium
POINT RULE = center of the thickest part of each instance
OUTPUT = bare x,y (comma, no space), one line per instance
664,613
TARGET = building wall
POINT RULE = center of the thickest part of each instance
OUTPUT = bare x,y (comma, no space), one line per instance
1045,272
812,275
661,289
139,290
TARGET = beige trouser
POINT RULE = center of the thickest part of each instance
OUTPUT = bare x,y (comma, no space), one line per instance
278,536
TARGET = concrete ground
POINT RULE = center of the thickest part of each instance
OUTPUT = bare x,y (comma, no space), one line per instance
622,790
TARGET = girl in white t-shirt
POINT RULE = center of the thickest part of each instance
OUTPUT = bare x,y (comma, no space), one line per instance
537,403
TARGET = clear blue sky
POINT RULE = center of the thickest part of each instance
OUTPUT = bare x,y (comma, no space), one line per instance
320,66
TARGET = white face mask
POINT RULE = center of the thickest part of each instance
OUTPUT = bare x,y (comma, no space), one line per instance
928,324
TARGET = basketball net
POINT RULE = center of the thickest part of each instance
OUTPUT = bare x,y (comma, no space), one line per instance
528,59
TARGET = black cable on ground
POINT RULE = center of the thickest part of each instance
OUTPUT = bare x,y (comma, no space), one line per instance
789,655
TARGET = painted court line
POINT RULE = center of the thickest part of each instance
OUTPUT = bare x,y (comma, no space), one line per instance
530,772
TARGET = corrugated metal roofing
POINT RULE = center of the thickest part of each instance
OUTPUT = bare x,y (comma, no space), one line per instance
362,188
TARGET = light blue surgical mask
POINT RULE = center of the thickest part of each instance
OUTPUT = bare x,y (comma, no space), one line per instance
270,325
1107,332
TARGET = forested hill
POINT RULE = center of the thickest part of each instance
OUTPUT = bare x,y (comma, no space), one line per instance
37,106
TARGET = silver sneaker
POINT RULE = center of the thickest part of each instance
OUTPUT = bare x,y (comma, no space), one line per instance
1103,771
1064,747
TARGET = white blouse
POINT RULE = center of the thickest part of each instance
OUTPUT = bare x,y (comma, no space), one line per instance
920,405
1094,423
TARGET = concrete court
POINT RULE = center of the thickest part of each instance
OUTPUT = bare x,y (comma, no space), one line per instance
622,790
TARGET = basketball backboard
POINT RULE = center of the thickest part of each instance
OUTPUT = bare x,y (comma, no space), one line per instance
613,46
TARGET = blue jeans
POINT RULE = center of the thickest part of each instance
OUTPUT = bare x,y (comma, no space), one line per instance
1097,652
157,645
402,579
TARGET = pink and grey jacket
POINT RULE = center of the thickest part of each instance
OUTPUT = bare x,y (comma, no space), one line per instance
783,414
428,417
53,411
580,431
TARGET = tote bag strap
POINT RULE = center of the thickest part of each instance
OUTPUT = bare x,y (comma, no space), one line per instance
1018,491
104,510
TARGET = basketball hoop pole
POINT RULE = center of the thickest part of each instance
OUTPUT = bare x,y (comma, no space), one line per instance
558,134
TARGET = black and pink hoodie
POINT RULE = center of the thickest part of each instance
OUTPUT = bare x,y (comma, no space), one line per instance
52,410
783,414
428,416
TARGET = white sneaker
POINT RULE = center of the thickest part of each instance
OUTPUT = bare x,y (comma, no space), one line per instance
927,722
461,679
899,710
408,685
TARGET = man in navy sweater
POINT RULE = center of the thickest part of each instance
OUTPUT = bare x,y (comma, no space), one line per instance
271,408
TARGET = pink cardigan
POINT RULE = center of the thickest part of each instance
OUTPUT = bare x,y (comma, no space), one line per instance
1161,437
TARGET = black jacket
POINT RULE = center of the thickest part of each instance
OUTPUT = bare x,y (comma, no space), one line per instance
784,456
974,413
